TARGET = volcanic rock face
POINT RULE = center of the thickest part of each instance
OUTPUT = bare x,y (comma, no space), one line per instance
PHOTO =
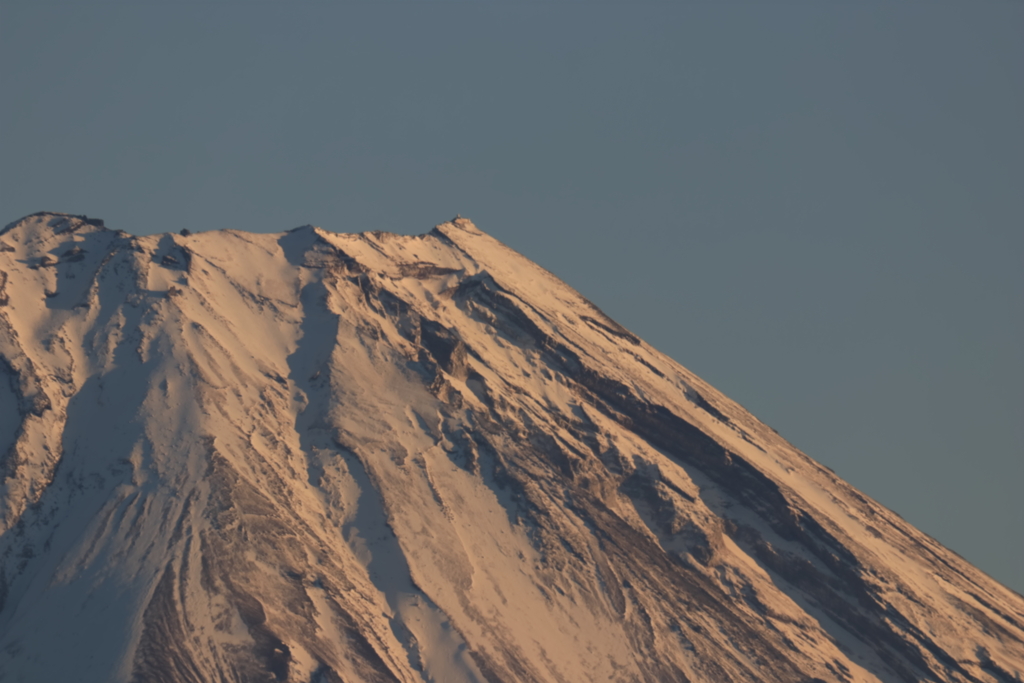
327,457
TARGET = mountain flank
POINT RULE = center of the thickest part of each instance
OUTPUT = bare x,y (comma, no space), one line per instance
323,457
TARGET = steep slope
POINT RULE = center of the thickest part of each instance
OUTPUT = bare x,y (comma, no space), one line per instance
365,457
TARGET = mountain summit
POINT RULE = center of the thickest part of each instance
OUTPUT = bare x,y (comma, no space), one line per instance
320,457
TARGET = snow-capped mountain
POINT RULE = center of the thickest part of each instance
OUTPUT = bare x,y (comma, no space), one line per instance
312,456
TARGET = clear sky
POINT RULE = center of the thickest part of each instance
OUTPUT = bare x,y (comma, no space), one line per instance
817,206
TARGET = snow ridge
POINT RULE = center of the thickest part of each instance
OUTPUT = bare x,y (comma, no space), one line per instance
313,456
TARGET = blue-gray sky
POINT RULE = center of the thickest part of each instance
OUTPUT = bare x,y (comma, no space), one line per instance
816,206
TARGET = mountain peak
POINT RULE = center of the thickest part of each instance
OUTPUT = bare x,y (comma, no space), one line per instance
316,456
464,224
58,223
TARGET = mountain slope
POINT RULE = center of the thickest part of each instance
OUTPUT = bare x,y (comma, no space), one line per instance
365,457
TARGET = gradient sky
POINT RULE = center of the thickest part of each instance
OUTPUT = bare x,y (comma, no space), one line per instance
816,206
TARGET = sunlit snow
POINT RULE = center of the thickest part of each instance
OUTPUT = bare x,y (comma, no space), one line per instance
312,456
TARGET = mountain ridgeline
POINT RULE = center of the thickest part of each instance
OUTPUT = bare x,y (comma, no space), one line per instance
316,457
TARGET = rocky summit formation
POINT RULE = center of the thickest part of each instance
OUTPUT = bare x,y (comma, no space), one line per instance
320,457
